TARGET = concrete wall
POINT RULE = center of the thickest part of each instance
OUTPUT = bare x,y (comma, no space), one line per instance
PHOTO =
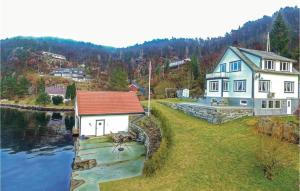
112,123
214,115
275,111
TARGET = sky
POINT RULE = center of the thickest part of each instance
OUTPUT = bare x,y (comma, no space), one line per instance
122,23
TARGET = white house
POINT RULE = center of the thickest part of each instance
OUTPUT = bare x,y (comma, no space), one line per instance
56,91
262,80
102,112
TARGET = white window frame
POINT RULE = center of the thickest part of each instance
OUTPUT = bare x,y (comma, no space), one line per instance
270,101
260,85
266,65
285,66
213,86
243,102
288,89
276,104
235,66
265,103
227,86
236,86
223,66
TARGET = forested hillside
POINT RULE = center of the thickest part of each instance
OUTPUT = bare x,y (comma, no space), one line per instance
19,54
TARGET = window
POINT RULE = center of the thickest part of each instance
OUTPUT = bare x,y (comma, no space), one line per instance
223,67
213,86
269,64
243,102
225,86
264,86
235,66
284,66
239,86
271,104
264,104
288,87
277,104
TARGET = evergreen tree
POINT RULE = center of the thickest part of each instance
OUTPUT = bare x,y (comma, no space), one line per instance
41,86
22,87
9,86
279,36
118,79
195,67
167,63
71,91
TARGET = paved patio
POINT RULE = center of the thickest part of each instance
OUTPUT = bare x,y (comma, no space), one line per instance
111,164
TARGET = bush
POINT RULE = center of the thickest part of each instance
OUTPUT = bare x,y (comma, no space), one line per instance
158,159
57,100
272,156
43,98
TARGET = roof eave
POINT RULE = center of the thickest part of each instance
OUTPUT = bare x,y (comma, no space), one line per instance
128,113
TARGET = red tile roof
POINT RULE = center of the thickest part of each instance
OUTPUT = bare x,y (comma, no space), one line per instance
106,102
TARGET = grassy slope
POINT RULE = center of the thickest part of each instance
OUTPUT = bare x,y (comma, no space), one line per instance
210,157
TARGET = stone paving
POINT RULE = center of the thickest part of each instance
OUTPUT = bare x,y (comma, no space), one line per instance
111,164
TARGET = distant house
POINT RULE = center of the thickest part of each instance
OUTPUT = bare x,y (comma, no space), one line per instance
57,56
56,91
261,80
100,113
133,87
76,74
179,63
183,93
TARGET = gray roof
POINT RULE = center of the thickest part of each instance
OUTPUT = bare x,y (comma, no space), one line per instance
267,55
60,90
239,53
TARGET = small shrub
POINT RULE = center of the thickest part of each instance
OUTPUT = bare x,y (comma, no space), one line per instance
272,156
57,100
43,98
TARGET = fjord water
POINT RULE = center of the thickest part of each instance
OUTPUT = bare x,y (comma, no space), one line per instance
36,150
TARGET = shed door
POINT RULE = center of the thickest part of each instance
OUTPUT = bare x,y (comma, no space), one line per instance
100,127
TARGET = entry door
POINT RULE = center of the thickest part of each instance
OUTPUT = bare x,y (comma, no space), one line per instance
289,107
100,127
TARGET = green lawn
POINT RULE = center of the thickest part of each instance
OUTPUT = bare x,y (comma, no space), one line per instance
204,156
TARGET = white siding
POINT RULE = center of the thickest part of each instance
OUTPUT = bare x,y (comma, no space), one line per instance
244,74
113,123
277,86
255,59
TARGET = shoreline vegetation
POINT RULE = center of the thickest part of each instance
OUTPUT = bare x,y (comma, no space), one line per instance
37,107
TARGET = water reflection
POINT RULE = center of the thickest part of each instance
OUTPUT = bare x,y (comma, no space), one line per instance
39,144
27,131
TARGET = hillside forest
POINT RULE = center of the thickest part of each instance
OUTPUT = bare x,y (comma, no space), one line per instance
23,64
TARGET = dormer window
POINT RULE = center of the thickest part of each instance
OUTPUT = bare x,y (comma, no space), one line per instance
223,67
284,66
269,65
235,66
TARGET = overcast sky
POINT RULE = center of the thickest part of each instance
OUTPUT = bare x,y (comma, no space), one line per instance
122,23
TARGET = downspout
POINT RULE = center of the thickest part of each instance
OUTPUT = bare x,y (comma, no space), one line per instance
222,87
253,105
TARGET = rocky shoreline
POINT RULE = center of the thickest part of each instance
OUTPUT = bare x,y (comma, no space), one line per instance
35,108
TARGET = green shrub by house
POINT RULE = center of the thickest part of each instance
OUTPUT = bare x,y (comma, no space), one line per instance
57,100
158,159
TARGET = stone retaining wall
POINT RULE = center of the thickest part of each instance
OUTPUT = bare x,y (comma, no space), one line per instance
216,115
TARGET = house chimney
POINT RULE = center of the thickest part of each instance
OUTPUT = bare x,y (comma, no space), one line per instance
268,42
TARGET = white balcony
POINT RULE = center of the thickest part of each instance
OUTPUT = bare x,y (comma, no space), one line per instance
217,75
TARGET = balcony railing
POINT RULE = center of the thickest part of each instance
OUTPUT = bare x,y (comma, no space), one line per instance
217,75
